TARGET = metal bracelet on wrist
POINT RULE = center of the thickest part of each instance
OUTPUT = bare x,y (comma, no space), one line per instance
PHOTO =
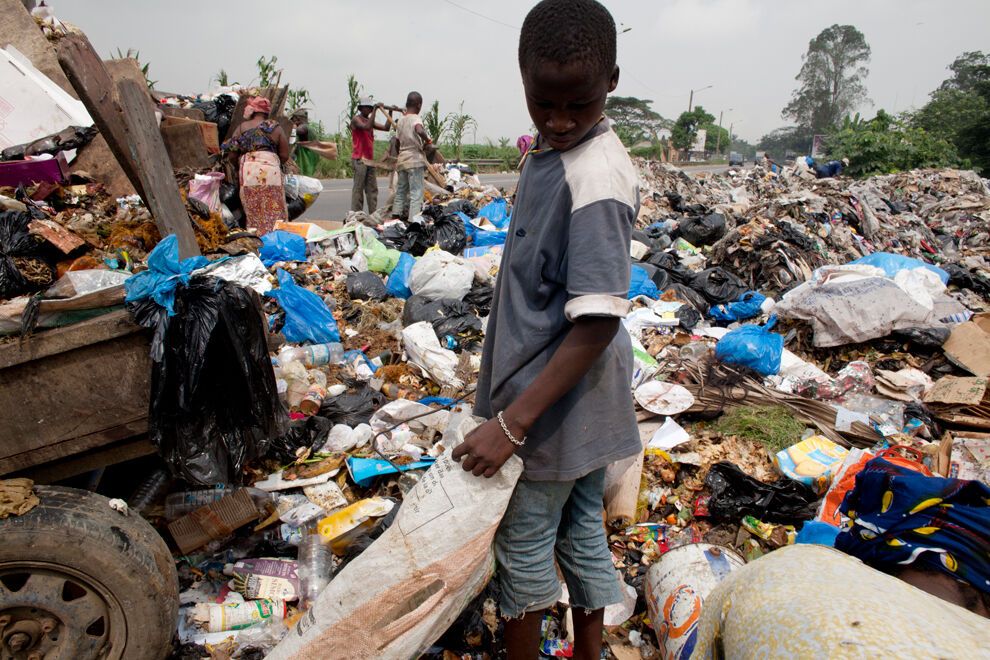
508,433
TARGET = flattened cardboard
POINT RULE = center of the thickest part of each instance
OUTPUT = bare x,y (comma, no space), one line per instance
955,390
213,521
969,345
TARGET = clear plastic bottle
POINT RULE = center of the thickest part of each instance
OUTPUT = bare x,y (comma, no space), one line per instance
315,355
179,504
315,567
150,490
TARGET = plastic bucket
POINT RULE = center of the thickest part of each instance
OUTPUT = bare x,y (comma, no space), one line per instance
676,588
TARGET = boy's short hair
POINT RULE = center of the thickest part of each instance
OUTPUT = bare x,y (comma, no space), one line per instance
414,99
564,31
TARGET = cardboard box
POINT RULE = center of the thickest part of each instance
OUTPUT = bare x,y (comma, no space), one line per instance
213,521
207,129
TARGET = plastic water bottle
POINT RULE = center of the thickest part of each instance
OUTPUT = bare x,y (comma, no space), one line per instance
315,566
315,355
149,491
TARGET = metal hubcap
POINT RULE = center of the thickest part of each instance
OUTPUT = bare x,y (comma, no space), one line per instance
50,612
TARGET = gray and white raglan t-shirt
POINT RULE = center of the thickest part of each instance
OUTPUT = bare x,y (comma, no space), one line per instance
566,256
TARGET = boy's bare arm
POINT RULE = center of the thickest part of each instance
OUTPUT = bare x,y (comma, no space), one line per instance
487,448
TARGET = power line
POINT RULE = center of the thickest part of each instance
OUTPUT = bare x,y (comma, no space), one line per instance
487,18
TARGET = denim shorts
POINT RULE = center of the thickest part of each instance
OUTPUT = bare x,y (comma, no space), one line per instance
562,519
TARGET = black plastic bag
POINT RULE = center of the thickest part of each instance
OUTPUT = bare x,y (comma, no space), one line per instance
449,317
214,403
353,408
72,137
450,234
932,337
660,277
480,298
688,295
15,241
462,206
230,196
365,286
394,236
688,316
718,285
965,278
736,494
296,206
309,432
704,230
419,239
677,203
668,261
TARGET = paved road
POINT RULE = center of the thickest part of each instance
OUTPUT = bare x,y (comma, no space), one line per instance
335,200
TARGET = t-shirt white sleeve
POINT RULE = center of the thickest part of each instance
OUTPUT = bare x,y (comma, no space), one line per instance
598,260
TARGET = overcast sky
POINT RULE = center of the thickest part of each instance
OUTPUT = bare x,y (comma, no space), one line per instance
748,50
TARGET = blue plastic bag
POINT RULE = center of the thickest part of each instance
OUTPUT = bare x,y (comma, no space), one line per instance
640,284
165,272
364,471
482,237
307,318
496,211
282,246
397,284
469,228
752,346
891,264
744,307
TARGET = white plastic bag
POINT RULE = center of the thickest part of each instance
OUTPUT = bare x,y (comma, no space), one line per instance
438,274
206,188
425,569
424,350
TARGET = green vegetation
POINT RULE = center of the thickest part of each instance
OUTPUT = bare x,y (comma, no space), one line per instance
686,127
959,110
885,144
831,79
435,125
772,426
267,73
634,120
457,125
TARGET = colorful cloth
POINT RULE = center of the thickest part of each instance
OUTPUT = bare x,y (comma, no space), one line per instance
900,517
258,138
257,104
262,192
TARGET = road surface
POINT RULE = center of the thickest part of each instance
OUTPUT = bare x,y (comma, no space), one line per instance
335,200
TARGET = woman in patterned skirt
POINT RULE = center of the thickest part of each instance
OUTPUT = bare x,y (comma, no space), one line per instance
263,149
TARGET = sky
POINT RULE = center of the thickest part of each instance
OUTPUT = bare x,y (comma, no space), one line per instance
748,51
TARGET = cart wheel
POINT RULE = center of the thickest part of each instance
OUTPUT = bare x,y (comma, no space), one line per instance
80,580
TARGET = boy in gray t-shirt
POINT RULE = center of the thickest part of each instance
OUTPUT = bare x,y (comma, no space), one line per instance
556,367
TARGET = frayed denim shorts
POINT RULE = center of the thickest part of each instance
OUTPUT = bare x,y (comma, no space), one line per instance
561,520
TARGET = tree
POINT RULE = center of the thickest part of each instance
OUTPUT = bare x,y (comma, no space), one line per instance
959,110
686,127
832,79
634,120
458,124
435,125
222,78
780,141
712,138
354,89
887,144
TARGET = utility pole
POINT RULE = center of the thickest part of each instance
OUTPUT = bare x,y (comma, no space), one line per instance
718,136
691,97
730,136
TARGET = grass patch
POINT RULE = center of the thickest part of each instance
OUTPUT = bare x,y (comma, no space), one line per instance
772,426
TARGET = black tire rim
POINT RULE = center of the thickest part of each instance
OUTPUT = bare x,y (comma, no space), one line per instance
51,610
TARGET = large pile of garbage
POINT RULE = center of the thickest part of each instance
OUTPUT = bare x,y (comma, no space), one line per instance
309,384
375,338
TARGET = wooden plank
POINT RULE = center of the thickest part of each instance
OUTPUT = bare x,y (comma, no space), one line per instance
59,340
64,468
236,118
73,446
184,143
128,68
88,75
182,113
161,194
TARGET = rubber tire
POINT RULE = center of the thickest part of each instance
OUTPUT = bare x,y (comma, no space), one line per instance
77,528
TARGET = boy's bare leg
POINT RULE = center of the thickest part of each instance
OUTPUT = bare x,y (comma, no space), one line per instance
522,636
588,627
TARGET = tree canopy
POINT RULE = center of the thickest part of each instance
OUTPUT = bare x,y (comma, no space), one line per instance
787,138
959,110
686,127
831,79
887,144
633,119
